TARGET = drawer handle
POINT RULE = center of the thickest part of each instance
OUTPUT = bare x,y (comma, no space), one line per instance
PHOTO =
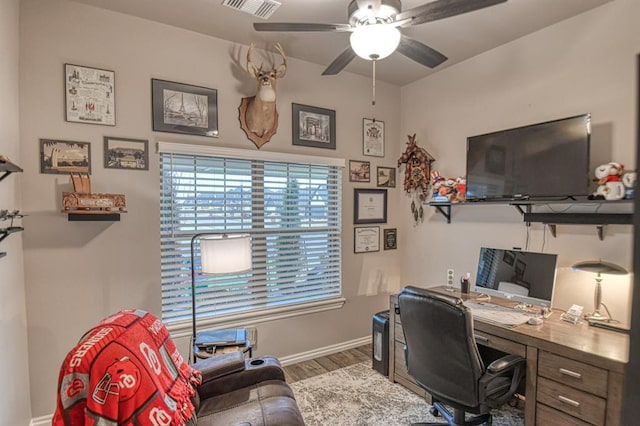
570,373
569,401
481,339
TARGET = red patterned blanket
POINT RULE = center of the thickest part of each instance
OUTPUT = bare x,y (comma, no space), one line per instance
125,371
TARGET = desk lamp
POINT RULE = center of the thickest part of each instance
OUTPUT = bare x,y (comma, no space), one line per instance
220,254
599,267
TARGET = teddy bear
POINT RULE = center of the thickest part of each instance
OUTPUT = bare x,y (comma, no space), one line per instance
609,178
629,181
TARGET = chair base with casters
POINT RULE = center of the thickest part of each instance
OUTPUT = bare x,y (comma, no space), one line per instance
443,358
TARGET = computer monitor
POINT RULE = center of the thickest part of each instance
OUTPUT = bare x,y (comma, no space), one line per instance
523,276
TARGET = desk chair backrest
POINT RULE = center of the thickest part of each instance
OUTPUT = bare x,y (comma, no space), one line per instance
441,352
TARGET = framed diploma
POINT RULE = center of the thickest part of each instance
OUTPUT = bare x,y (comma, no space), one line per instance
373,137
369,206
366,239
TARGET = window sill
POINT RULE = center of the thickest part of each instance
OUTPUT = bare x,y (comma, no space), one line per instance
183,328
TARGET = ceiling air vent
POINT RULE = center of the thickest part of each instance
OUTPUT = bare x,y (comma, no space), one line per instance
260,8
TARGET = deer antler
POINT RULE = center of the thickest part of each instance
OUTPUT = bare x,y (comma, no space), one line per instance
282,69
251,69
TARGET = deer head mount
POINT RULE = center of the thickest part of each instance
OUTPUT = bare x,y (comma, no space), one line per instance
258,114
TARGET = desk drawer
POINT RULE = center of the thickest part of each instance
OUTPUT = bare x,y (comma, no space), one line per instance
585,406
573,373
546,416
500,344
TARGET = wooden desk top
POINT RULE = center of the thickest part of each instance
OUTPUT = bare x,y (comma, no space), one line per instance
605,348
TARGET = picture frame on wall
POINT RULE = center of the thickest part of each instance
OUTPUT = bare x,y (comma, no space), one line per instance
390,239
90,95
64,157
313,126
386,177
127,154
366,239
373,137
359,171
184,108
369,205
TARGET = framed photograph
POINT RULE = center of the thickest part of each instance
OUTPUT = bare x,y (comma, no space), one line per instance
64,157
386,177
369,205
183,108
520,267
390,239
121,153
366,239
90,96
373,137
359,171
313,126
509,257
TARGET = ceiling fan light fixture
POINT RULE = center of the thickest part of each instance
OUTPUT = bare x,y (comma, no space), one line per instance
373,42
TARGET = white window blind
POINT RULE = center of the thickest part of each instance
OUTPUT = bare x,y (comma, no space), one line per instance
292,210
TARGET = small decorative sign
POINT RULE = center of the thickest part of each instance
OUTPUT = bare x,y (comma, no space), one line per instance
373,137
390,239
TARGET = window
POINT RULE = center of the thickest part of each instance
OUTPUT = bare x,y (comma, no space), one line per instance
291,208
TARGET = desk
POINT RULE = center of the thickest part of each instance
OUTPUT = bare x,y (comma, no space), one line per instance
574,371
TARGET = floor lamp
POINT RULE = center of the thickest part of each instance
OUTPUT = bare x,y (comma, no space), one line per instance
220,254
599,267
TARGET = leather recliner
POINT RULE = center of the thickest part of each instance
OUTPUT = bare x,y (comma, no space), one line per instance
442,356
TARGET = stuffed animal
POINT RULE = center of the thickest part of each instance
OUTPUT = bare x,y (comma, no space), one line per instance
461,190
609,178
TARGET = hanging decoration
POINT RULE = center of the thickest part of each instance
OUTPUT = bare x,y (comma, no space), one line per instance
416,176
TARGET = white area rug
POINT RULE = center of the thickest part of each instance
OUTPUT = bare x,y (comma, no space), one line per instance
358,395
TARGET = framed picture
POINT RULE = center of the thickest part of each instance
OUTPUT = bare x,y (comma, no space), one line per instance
359,171
390,239
121,153
509,257
90,96
373,137
366,239
183,108
386,177
369,205
64,157
313,126
520,267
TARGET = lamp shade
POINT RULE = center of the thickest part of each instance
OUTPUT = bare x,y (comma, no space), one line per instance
375,41
599,267
225,254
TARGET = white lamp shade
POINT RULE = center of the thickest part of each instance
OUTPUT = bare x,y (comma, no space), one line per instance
225,254
375,41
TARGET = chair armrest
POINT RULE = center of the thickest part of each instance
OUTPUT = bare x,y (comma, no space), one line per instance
255,370
504,364
219,366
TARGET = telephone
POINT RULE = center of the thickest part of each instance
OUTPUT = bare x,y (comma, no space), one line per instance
574,314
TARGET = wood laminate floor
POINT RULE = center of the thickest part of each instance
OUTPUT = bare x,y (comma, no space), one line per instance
317,366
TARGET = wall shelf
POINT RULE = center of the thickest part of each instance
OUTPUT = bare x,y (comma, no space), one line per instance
7,167
94,217
551,219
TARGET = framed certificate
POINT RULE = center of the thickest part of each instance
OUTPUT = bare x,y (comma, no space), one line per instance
369,206
366,239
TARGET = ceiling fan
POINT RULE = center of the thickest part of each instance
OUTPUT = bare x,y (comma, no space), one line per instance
374,27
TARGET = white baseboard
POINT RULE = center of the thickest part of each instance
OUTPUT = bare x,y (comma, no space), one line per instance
285,360
327,350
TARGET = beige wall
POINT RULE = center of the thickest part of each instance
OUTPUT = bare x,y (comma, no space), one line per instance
77,273
585,64
14,404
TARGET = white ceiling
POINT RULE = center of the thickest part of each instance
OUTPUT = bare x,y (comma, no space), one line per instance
459,37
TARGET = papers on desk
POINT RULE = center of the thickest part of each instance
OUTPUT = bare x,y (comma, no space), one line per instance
500,315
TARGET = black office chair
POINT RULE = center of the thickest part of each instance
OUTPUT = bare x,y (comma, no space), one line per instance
443,358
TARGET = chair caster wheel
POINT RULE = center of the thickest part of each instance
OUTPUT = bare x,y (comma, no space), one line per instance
434,411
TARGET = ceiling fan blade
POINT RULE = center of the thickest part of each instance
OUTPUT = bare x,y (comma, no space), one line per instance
441,9
300,26
421,53
340,62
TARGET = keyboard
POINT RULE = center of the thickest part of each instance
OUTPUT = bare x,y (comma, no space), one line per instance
501,315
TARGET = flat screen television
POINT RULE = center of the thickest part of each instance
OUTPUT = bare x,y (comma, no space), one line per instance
540,161
527,277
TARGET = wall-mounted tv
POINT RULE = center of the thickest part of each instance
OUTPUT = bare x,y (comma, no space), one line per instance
541,161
